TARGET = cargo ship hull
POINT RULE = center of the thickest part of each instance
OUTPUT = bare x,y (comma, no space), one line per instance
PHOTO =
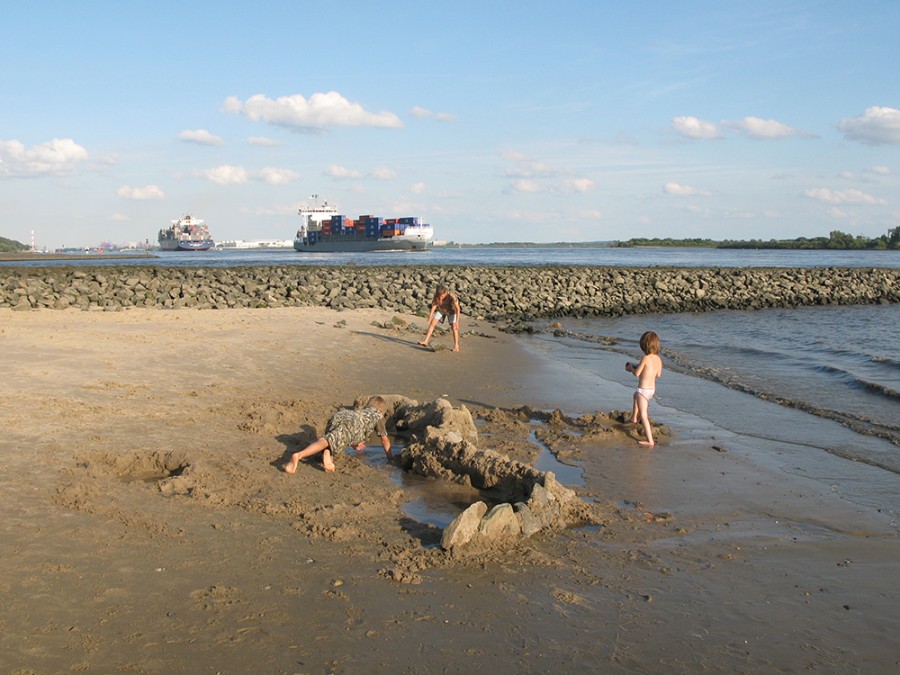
185,245
360,244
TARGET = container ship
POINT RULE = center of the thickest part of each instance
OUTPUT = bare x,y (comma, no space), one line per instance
324,230
186,234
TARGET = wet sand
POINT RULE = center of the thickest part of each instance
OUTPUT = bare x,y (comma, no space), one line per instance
705,561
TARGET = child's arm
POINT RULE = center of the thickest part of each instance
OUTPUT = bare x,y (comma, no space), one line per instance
386,444
637,368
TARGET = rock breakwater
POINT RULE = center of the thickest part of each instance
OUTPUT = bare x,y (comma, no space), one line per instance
493,293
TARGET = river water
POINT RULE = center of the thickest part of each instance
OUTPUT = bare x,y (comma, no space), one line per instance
621,257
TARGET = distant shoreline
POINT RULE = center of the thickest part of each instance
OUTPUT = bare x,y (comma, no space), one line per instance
7,257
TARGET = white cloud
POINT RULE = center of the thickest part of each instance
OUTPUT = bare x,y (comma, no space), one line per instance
119,218
760,129
145,193
263,141
424,113
679,190
526,186
879,170
851,196
337,171
691,127
274,176
383,173
530,170
57,157
200,137
514,155
226,174
590,213
525,167
578,185
313,114
876,126
417,188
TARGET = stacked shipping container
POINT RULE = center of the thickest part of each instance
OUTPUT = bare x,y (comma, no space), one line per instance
367,225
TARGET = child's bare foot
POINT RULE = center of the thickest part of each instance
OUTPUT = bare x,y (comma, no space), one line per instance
423,343
456,349
327,462
647,444
291,466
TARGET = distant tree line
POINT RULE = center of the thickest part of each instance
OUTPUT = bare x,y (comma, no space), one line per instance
11,246
836,240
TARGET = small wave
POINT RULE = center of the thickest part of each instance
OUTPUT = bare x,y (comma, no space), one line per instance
880,389
886,361
857,423
886,463
857,382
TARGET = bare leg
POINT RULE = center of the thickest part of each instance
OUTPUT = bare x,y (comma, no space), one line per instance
643,404
327,461
310,450
455,337
427,337
635,413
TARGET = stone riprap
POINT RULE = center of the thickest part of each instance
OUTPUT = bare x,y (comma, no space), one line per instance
493,293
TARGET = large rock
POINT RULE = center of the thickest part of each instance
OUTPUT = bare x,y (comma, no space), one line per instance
499,523
464,527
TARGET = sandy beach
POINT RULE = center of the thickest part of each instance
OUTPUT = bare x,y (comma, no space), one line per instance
703,561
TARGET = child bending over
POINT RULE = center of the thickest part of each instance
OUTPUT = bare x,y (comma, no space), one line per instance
346,428
444,306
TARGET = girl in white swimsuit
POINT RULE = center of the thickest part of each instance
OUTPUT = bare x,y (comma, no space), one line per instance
647,372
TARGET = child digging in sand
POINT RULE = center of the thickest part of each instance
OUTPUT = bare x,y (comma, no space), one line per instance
346,428
444,305
647,371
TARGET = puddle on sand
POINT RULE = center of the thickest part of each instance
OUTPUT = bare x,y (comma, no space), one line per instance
428,501
437,502
567,474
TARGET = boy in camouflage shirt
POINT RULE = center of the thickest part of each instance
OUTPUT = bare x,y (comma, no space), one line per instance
346,428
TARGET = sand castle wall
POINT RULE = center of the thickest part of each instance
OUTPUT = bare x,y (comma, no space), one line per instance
495,293
443,444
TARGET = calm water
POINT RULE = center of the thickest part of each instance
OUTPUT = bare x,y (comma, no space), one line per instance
622,257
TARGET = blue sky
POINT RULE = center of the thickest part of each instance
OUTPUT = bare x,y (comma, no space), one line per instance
492,120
